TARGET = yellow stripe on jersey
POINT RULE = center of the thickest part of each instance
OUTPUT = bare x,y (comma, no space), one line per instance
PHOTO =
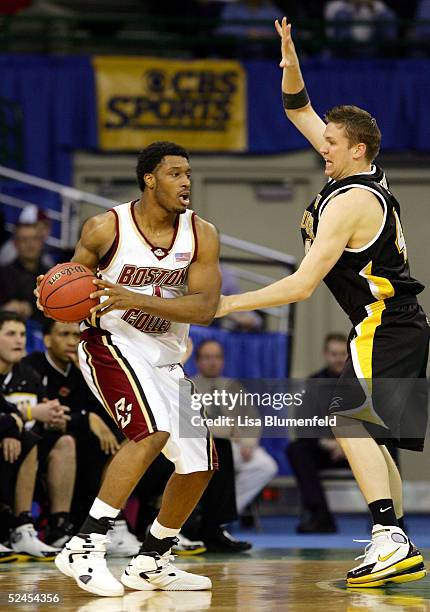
380,287
115,354
362,355
95,380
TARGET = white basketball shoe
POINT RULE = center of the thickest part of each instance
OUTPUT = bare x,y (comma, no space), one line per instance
84,559
122,543
25,542
389,557
151,571
7,555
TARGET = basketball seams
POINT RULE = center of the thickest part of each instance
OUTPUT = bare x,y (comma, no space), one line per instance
69,282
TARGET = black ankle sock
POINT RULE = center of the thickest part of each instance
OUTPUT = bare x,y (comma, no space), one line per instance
401,521
23,519
383,512
153,544
92,525
58,519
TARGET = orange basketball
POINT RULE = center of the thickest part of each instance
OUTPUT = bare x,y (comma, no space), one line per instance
65,292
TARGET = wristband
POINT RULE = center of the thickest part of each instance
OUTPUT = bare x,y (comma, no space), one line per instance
29,415
295,101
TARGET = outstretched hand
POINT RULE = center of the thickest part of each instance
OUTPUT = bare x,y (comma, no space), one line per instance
288,50
223,308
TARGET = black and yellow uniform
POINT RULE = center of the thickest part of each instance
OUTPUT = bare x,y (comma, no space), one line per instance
390,337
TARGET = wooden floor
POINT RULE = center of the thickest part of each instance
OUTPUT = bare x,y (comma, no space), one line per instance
268,580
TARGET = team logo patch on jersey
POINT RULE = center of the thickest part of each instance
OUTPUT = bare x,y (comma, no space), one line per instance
123,412
159,252
182,256
64,391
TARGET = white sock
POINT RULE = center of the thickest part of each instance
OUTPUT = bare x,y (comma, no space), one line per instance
100,509
160,532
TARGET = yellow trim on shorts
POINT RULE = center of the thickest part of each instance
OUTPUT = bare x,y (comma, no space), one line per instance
95,380
136,391
362,355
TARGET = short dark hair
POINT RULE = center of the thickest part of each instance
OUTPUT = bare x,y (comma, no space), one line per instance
149,158
359,126
334,337
199,347
48,324
9,315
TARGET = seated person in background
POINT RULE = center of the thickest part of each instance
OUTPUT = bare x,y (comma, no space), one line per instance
254,467
422,30
96,434
18,279
18,470
307,456
260,15
30,215
382,22
22,386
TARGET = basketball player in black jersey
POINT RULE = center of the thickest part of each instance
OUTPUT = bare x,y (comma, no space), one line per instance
354,242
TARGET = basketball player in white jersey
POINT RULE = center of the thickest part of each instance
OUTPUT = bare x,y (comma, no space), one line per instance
158,265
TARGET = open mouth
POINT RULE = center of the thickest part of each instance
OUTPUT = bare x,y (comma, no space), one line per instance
184,198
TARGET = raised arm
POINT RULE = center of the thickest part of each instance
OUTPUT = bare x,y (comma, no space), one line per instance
204,285
300,111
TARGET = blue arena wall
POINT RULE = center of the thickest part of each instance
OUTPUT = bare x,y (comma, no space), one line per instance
58,102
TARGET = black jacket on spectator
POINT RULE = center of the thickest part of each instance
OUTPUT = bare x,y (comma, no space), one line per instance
22,385
69,388
9,427
18,283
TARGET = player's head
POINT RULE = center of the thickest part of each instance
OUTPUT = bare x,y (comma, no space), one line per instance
28,242
209,358
351,140
12,338
163,169
61,340
335,352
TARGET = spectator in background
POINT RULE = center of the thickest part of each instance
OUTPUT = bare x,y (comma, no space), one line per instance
422,30
18,468
253,466
307,456
381,26
30,215
18,279
236,321
96,434
22,386
260,13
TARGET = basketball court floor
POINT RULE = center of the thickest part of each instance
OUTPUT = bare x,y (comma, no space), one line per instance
269,579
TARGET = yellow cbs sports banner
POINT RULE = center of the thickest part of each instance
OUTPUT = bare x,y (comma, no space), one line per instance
198,104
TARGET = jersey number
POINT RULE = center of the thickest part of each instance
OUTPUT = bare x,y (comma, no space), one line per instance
400,239
157,291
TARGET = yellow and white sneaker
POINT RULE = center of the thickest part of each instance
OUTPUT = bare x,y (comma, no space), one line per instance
389,557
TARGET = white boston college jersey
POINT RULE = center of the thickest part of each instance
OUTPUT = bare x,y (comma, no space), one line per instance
140,266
